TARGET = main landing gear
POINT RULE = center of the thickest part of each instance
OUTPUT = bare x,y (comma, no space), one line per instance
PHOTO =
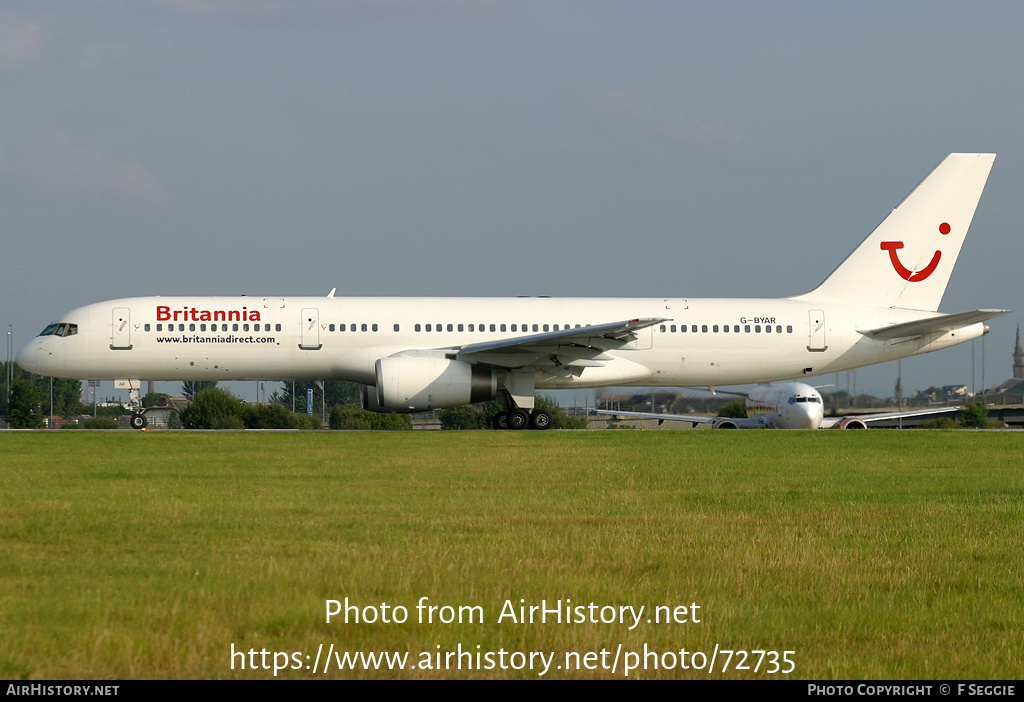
521,419
516,397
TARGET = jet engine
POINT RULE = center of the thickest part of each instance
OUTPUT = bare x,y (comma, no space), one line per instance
420,383
851,423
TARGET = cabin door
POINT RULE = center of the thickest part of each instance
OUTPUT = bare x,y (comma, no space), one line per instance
816,341
310,335
121,328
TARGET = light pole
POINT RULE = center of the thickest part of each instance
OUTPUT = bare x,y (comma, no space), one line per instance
10,361
899,384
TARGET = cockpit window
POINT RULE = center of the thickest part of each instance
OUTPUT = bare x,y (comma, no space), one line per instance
60,329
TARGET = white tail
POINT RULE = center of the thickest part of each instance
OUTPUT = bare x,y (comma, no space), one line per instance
907,260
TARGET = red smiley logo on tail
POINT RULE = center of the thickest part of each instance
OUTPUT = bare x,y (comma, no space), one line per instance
893,246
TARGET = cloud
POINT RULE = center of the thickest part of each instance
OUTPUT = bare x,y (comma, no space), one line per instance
712,135
221,5
100,57
21,43
57,165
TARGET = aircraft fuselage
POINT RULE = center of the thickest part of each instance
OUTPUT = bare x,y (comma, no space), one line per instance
726,341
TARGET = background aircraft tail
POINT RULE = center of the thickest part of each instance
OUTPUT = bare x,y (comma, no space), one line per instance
907,260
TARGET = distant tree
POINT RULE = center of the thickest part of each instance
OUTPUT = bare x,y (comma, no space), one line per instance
464,417
24,411
358,418
213,408
974,415
347,418
339,392
67,393
101,423
189,388
941,423
270,417
154,399
736,408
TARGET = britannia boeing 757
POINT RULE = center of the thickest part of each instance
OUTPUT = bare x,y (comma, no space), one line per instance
416,354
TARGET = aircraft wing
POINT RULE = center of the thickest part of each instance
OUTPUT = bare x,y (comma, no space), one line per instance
929,325
740,423
831,422
564,352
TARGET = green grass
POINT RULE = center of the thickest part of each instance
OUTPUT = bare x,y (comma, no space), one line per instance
875,554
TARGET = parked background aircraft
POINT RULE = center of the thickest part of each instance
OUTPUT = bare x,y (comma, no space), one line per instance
791,405
415,354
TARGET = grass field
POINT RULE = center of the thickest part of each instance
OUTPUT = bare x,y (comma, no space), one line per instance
874,554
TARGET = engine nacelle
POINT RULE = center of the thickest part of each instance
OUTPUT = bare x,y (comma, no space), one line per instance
420,383
368,399
724,423
851,423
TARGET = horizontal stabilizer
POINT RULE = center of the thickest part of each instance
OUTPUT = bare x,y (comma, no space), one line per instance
931,325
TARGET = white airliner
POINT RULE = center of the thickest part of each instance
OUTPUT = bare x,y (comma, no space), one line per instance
791,405
414,354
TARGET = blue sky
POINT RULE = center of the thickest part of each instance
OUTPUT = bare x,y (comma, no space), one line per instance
450,147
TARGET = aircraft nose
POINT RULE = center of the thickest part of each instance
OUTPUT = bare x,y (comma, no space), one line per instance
810,415
30,357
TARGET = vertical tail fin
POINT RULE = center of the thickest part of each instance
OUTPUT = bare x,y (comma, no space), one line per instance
907,260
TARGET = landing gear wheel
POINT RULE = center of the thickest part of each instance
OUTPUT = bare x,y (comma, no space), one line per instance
500,420
518,419
138,421
539,419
